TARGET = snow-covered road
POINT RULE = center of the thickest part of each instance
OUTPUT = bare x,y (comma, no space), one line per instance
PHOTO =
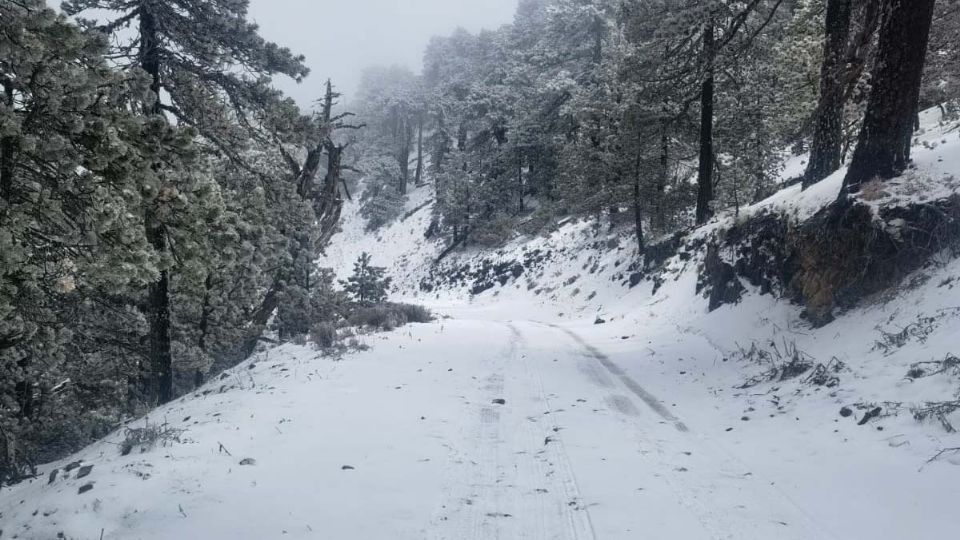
580,450
477,429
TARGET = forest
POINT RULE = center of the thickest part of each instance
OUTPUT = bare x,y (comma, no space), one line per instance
162,204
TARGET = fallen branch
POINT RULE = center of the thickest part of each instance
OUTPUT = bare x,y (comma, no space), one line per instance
939,455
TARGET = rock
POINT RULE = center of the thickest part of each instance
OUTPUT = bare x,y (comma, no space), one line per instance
870,416
248,461
72,466
84,471
846,412
600,320
85,488
348,468
499,402
53,476
635,279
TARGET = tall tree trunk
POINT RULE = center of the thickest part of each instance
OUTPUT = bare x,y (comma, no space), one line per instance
663,175
637,203
405,134
418,177
159,389
520,179
705,173
7,150
157,380
883,150
826,149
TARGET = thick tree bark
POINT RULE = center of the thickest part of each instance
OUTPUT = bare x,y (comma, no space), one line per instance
883,149
705,173
825,152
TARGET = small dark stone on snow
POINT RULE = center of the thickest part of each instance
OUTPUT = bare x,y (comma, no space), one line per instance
248,461
348,468
870,415
729,429
499,402
745,418
600,320
72,466
846,412
85,488
84,471
53,476
635,279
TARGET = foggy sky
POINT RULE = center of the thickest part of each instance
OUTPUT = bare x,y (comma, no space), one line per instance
341,37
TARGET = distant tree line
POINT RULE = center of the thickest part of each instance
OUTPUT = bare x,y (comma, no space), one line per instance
652,113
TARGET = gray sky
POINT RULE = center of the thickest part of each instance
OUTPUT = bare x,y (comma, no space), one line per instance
341,37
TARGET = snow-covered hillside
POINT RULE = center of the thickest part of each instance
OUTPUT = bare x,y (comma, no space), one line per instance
569,399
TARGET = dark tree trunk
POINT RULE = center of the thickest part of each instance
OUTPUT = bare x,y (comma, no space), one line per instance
7,151
442,143
637,203
405,141
520,179
662,177
418,178
827,145
883,149
705,173
157,380
205,311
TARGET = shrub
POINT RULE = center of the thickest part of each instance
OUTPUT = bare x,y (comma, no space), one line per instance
388,316
149,436
324,334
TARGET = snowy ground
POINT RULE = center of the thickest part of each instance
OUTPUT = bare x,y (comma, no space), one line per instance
519,417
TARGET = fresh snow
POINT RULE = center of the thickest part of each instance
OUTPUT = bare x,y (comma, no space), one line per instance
516,416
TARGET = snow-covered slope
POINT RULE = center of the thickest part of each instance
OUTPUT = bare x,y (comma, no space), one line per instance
569,401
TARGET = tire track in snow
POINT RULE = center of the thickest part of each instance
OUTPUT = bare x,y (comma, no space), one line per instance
580,525
509,477
699,495
632,385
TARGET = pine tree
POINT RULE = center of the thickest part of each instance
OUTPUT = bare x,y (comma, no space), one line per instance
368,285
883,149
75,171
220,85
825,152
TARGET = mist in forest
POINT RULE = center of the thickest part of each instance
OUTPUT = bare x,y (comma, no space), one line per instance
341,38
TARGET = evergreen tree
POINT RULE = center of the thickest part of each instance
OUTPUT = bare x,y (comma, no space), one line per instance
883,150
825,152
368,284
76,169
220,85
